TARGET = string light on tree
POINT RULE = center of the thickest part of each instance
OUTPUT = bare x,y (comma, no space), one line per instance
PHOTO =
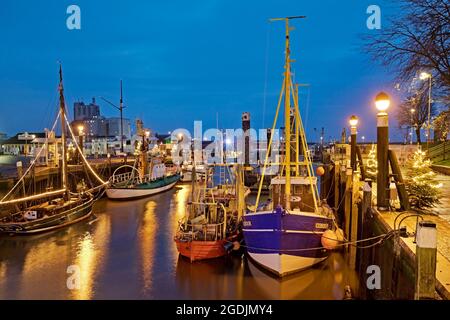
421,184
372,163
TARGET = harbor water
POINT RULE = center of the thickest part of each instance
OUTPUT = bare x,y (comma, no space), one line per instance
126,251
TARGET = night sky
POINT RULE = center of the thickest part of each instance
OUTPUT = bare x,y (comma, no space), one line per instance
182,61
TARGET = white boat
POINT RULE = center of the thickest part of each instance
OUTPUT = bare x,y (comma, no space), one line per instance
144,178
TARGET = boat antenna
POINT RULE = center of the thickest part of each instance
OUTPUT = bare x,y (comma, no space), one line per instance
120,108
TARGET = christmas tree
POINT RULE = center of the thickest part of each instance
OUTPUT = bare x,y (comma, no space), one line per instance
372,164
421,184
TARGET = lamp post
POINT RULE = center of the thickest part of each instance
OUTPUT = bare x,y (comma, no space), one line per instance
353,121
145,138
80,138
412,110
424,76
382,102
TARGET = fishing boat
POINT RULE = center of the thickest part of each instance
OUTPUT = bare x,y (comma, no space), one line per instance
284,234
211,227
145,178
52,209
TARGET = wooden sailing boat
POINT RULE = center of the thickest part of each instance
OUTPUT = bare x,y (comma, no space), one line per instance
52,209
211,224
284,234
144,179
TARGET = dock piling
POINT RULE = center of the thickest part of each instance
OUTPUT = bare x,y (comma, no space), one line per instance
426,252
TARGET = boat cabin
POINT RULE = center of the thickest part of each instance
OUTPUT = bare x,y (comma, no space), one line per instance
302,198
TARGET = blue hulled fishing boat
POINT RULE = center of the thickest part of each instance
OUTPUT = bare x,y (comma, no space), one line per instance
284,234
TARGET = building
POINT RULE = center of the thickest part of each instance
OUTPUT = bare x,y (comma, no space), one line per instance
84,111
113,125
23,143
3,137
94,125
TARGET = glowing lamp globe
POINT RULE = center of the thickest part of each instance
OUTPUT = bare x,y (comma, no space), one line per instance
320,171
382,101
329,240
353,121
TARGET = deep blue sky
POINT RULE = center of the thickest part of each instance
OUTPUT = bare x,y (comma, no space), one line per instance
186,60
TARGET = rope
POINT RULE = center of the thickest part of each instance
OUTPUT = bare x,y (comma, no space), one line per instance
383,238
104,183
30,167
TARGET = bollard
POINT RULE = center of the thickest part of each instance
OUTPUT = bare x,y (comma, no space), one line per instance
426,251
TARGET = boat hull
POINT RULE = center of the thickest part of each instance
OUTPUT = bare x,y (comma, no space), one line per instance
56,221
139,192
285,243
201,250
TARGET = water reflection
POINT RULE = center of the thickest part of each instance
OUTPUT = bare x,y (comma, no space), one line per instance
128,252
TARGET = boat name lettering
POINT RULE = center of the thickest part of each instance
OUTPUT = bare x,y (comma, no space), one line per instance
321,225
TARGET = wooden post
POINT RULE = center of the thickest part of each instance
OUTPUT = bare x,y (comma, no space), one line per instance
366,204
426,250
363,219
402,194
20,174
382,158
348,201
361,163
354,221
337,171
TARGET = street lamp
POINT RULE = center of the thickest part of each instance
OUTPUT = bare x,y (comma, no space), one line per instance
424,76
353,121
412,110
382,103
80,137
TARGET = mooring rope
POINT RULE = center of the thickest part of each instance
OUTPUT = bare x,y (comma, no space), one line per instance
382,238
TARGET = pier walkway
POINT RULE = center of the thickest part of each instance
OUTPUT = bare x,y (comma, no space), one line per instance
440,216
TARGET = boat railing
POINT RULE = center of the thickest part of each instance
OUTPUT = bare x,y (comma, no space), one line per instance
127,177
207,230
202,231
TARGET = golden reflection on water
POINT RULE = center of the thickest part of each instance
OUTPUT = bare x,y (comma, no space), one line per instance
146,241
181,198
129,252
85,261
34,276
91,255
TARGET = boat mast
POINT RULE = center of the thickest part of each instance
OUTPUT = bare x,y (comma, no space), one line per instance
121,117
287,111
62,108
287,121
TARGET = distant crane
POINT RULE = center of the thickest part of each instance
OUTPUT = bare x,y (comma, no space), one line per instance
120,108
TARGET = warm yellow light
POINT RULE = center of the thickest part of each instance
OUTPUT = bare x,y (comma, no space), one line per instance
382,101
147,133
424,75
80,129
413,110
353,121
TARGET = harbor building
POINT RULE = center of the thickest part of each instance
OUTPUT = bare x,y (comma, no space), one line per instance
95,126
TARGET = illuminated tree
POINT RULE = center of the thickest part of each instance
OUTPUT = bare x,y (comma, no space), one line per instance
372,164
421,184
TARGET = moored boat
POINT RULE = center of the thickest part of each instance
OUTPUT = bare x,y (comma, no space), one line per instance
145,178
284,234
211,224
52,209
